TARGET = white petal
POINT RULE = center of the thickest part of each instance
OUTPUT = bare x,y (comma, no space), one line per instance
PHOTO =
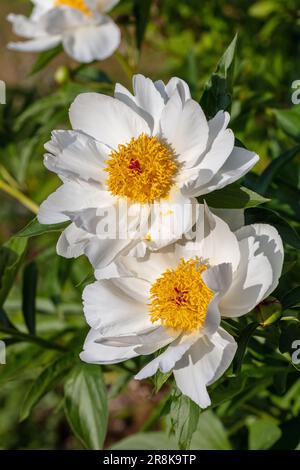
177,85
210,164
101,252
106,119
75,155
149,268
39,44
167,360
97,353
203,364
122,94
93,42
58,20
70,199
214,241
72,242
40,8
148,99
170,119
26,27
108,272
170,219
237,165
218,154
271,245
144,342
258,271
112,311
217,125
219,280
185,129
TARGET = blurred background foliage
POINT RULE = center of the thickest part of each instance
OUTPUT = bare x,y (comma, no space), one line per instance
257,404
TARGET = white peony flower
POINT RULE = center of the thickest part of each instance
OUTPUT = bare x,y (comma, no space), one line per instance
175,299
82,26
151,152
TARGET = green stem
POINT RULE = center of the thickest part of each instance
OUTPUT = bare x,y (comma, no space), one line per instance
8,178
31,339
125,66
19,196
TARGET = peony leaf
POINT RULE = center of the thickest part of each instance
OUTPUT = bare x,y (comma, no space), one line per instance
44,58
146,441
86,405
217,94
45,382
30,279
233,197
34,228
289,121
11,257
263,433
183,419
141,9
210,433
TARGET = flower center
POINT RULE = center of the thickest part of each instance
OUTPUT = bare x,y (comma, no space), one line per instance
76,4
180,298
142,170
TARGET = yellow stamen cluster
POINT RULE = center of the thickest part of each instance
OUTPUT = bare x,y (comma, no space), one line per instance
180,298
142,170
76,4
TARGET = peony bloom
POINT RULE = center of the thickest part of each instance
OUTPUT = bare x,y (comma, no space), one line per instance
82,26
153,151
174,299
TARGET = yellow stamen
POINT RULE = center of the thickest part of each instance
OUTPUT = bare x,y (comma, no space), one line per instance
76,4
143,170
180,297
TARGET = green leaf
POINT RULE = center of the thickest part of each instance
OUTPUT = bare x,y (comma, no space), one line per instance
30,279
34,228
243,341
23,360
291,299
218,90
45,382
210,433
147,441
262,9
160,379
44,58
265,179
268,216
141,10
233,197
268,311
228,390
289,121
11,257
183,419
86,405
263,433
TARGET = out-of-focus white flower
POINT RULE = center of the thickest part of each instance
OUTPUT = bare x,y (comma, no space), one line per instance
154,151
82,26
175,298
